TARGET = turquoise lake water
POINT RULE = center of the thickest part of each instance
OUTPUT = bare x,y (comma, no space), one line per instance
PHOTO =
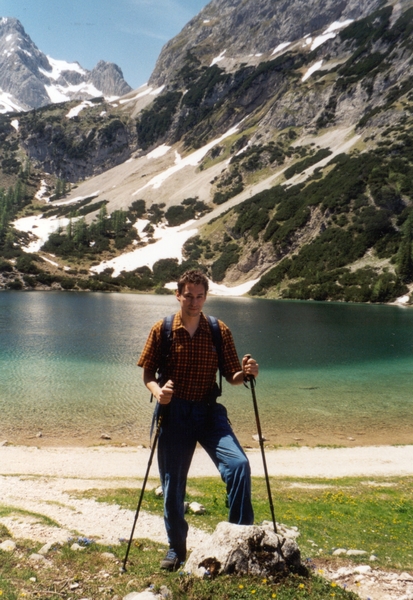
330,373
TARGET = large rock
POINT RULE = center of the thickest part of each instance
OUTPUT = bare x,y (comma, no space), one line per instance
246,550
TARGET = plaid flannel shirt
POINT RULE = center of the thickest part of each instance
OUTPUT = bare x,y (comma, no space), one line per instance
193,362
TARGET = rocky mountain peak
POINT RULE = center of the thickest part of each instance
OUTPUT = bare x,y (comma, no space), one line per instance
241,30
30,79
108,78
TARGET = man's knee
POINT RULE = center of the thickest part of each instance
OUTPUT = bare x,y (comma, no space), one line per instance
238,466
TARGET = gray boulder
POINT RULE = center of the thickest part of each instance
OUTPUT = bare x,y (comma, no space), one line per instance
245,550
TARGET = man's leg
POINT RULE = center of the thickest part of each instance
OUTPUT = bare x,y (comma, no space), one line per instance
175,450
220,442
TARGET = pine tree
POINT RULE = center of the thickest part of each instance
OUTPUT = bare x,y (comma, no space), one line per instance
405,257
58,189
80,233
102,220
69,229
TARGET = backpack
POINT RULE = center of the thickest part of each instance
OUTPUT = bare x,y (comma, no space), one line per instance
166,344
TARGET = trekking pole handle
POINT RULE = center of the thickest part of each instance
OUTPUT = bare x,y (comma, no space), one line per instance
250,378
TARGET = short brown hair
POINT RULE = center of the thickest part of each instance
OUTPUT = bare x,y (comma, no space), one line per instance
193,276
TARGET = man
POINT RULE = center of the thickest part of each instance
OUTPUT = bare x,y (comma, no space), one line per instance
185,394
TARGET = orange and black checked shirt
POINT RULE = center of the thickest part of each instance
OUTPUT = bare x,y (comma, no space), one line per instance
193,362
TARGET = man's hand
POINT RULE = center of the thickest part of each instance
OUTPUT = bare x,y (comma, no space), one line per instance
249,366
166,393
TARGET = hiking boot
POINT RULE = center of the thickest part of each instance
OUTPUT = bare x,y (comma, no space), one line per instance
171,562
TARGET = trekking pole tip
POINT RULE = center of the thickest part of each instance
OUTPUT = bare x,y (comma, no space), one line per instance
122,569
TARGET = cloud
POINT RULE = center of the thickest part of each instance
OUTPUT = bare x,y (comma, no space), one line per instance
156,19
142,32
172,10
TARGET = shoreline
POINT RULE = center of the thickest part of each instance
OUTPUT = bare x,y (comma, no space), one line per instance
112,463
339,437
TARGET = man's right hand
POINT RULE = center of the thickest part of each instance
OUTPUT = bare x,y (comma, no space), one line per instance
166,393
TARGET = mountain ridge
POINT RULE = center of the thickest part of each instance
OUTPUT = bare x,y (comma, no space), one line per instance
292,171
30,79
220,28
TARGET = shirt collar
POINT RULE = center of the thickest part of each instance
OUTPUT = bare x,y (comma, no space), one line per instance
177,323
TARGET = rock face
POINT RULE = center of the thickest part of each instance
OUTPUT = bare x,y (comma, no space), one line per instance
246,550
108,78
238,29
30,79
73,151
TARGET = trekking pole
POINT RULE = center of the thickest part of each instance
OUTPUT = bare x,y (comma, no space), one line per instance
155,439
251,380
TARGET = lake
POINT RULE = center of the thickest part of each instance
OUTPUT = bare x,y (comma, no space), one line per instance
330,373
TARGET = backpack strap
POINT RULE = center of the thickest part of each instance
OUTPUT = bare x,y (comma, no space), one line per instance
217,340
166,345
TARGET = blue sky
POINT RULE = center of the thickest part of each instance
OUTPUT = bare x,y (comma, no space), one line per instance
130,33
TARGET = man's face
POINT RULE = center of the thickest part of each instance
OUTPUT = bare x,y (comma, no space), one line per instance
192,299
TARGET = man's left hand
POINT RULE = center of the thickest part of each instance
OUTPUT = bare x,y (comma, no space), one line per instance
249,366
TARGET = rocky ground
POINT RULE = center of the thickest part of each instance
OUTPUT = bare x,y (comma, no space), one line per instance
46,482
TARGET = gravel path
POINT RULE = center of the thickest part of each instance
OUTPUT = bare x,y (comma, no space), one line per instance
43,481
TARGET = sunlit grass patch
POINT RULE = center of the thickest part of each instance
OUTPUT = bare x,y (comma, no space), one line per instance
92,573
10,511
350,513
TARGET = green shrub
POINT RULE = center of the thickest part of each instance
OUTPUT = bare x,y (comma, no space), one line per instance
5,267
165,270
228,257
16,284
155,121
302,165
24,264
181,213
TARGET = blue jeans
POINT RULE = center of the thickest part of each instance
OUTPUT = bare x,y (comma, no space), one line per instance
184,424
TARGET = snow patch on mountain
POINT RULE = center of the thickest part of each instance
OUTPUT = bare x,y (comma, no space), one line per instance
8,103
148,91
192,160
218,58
168,244
329,33
74,112
315,67
280,47
40,228
60,66
158,152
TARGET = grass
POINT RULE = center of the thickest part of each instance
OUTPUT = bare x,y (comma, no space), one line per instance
354,513
90,574
6,511
351,513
